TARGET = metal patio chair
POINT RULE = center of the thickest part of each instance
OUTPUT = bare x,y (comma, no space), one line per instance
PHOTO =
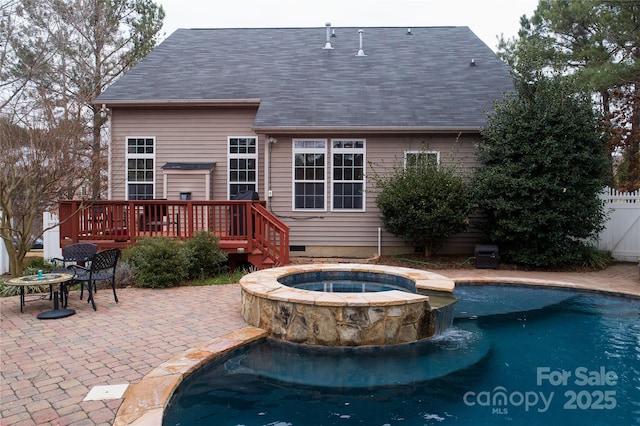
72,254
102,268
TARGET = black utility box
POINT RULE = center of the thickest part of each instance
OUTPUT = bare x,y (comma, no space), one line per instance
487,256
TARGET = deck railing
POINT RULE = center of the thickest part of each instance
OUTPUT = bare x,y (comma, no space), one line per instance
242,226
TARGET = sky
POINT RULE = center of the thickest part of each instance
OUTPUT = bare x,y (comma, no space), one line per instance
486,18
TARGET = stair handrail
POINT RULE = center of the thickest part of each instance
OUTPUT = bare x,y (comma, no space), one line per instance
276,243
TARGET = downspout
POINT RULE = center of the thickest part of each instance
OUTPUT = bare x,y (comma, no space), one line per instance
109,135
269,141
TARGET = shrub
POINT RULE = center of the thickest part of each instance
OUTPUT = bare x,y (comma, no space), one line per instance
595,258
424,204
34,264
159,262
544,164
13,290
125,274
203,256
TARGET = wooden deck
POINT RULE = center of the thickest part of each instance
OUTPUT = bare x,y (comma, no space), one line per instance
248,232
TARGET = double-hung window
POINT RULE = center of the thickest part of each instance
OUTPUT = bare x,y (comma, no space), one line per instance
348,174
141,168
243,165
417,158
309,174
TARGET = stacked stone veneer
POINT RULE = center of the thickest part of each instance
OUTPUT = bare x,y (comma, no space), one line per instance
340,319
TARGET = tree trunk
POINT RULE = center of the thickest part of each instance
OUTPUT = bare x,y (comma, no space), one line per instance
632,147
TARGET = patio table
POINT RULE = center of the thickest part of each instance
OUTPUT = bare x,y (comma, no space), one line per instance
45,279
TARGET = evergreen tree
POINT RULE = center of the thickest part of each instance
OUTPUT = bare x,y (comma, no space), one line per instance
597,42
544,164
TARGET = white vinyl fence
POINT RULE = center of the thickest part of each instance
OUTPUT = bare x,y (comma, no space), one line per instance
4,257
621,235
51,238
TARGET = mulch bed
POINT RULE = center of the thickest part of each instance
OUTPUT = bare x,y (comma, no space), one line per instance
418,261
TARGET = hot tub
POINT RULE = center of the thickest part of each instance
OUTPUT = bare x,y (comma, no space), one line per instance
376,305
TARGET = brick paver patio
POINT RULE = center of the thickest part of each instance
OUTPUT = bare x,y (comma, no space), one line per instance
48,367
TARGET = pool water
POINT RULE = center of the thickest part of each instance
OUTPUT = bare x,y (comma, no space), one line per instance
348,286
538,356
347,281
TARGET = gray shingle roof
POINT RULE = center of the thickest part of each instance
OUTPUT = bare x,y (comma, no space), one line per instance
422,80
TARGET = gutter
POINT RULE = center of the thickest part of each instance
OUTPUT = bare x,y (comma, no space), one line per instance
290,130
178,102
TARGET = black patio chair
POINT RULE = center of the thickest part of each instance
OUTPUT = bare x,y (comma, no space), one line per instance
102,268
72,254
78,253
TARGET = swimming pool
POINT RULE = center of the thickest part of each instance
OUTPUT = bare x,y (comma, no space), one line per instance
536,356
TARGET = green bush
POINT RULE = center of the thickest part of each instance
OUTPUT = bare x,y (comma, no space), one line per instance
13,290
203,256
595,258
544,164
424,204
35,264
159,262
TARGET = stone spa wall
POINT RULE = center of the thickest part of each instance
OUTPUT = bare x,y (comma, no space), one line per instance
341,319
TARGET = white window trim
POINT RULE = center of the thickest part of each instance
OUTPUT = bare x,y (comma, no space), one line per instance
417,152
362,150
295,151
138,156
240,156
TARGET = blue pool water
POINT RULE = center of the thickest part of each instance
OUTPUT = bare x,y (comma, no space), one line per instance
517,356
340,281
347,286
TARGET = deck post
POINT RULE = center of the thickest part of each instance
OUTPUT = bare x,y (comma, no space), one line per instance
249,218
75,224
132,223
190,220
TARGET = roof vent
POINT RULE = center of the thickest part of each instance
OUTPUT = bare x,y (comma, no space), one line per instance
328,43
361,51
409,31
473,63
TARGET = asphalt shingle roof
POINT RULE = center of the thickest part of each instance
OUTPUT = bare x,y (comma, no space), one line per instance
422,80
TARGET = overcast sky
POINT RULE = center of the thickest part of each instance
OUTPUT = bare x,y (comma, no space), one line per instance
486,18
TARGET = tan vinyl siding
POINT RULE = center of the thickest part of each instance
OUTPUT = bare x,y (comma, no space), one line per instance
357,228
188,181
201,135
182,135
